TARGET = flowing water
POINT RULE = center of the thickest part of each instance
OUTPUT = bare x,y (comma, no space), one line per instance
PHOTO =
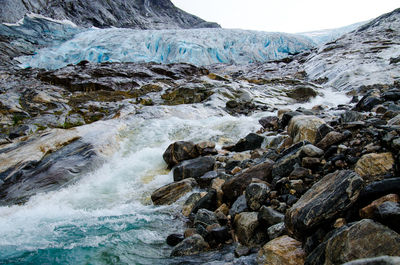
107,217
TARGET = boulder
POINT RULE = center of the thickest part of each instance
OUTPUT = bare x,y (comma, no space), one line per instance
174,239
332,138
270,122
178,152
326,199
250,142
248,229
371,165
369,210
276,230
351,116
205,218
190,246
383,260
302,93
322,131
256,195
206,148
190,203
209,202
312,151
235,186
303,127
193,168
287,117
170,193
205,180
239,206
289,160
218,235
269,216
363,239
388,213
367,103
282,250
377,189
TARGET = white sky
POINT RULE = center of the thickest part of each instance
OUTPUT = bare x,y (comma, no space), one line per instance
287,15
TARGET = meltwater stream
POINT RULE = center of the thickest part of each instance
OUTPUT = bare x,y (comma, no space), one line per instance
107,217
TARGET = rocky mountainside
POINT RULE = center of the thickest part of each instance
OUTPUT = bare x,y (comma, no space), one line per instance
138,14
294,161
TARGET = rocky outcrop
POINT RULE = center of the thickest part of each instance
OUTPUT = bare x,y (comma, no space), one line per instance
190,246
170,193
326,199
282,250
193,168
148,14
180,151
364,239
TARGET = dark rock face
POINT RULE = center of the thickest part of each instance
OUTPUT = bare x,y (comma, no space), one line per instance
194,168
250,142
327,198
170,193
269,216
239,206
178,152
139,14
384,260
53,171
364,239
256,195
174,239
248,229
235,186
209,202
190,246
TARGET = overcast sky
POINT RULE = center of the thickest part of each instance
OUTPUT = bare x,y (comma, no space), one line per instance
288,15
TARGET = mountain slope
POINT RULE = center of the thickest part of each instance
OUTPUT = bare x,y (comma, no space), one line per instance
138,14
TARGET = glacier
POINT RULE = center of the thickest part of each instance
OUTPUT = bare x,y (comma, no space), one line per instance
195,46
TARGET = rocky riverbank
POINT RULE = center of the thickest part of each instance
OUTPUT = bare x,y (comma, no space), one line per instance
312,186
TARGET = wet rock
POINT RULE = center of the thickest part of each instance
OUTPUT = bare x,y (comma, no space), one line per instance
351,116
378,189
190,246
369,210
394,121
250,142
180,151
304,127
206,148
383,260
276,230
291,158
186,95
322,131
312,151
388,213
170,193
239,206
190,203
282,250
218,235
256,195
367,103
310,162
241,250
269,216
330,139
392,95
287,117
248,229
205,180
235,186
302,93
193,168
300,173
62,157
363,239
175,239
205,218
327,198
371,165
209,202
270,122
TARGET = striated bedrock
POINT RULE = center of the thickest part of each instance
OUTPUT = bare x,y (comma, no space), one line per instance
139,14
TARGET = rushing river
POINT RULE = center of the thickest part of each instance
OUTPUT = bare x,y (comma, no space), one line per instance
107,217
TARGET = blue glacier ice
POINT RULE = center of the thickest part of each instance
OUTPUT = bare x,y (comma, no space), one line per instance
195,46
